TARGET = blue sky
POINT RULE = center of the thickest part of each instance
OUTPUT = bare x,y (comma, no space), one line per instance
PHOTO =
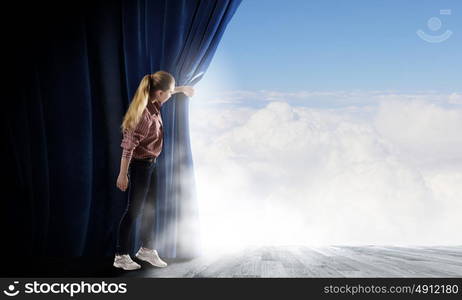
329,45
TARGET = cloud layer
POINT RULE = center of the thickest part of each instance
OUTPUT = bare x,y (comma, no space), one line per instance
323,99
389,173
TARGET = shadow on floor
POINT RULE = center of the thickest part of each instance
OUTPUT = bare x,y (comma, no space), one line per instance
60,267
69,267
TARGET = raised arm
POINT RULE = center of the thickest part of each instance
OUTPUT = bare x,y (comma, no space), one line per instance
185,89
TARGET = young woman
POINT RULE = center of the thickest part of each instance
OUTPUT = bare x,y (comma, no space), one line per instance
142,143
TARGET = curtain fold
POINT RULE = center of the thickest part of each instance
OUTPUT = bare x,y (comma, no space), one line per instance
73,75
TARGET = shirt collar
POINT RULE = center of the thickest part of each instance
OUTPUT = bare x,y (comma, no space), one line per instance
154,108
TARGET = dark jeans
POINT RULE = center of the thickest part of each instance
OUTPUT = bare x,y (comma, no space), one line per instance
141,193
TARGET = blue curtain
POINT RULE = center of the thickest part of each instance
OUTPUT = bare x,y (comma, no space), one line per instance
73,75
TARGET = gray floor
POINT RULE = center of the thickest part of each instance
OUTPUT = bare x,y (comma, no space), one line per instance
332,261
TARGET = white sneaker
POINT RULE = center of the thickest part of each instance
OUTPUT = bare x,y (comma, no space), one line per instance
151,257
125,262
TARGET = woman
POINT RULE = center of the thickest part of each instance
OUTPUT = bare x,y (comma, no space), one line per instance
142,143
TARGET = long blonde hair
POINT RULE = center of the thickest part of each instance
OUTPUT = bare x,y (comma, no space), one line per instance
150,83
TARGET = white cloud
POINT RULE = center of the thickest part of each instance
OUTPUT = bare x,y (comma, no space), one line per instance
386,174
428,135
323,98
455,98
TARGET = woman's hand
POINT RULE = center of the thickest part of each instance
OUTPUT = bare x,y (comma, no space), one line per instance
186,89
122,182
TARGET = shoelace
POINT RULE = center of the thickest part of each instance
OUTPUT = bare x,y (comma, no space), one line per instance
155,254
126,259
150,251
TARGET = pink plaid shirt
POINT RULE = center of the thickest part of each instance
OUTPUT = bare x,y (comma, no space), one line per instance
146,140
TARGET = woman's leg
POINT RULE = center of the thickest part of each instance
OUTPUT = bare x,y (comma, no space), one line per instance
147,221
139,179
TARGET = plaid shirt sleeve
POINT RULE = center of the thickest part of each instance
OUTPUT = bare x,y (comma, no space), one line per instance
131,138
